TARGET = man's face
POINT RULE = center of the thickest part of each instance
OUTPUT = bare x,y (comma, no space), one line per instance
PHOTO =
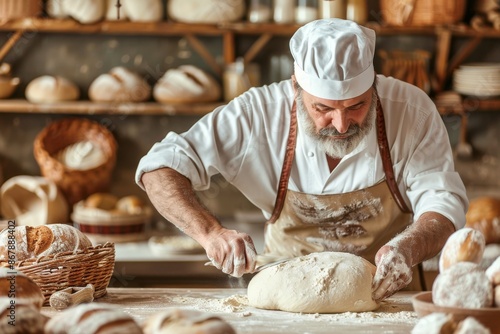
337,126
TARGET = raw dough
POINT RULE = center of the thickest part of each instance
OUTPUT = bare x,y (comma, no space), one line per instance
327,282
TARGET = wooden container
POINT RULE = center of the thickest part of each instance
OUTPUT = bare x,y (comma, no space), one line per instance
422,12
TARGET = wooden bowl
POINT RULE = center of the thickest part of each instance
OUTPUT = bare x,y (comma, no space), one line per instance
488,316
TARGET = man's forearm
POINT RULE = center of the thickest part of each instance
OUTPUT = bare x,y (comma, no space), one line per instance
425,238
173,196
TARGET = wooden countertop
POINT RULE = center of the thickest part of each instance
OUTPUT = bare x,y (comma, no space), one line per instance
395,315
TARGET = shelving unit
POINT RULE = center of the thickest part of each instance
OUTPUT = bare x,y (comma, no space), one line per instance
444,64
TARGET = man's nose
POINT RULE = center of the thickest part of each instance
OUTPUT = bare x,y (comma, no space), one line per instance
340,121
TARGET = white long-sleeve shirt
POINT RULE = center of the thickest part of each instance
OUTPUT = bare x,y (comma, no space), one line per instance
245,142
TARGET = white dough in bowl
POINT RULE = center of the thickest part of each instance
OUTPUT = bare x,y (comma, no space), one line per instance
327,282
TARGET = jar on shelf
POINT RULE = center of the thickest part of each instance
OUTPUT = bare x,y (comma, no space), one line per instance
332,8
306,11
260,11
357,11
284,11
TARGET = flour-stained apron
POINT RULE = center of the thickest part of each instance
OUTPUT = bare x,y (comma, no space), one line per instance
358,222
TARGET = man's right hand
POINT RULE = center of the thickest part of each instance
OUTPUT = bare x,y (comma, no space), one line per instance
231,251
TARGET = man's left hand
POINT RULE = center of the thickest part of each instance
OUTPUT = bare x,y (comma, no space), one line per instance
393,272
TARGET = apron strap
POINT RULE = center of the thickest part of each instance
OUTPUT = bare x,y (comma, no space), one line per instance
385,153
287,166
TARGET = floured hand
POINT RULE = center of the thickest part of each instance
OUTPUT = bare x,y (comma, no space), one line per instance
393,273
232,252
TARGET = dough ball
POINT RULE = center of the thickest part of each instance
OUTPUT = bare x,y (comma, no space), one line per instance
441,323
465,244
177,321
463,285
327,282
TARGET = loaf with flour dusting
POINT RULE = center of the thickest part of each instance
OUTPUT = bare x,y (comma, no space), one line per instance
465,244
19,287
484,216
37,241
28,319
179,321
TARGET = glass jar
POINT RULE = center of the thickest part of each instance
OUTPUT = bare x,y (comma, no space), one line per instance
332,8
239,77
306,11
284,11
260,11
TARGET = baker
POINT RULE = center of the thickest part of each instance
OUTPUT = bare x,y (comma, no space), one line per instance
338,158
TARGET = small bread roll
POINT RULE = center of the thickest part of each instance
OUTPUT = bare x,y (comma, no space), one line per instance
28,319
470,325
484,215
179,321
186,84
493,272
463,285
92,318
144,10
48,89
119,85
441,323
130,204
19,287
465,244
496,296
103,201
44,240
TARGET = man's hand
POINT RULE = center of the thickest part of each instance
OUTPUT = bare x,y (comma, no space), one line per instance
232,252
393,272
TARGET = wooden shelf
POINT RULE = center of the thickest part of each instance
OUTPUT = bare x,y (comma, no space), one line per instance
93,108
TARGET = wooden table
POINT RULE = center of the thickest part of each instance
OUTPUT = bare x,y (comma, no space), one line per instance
395,314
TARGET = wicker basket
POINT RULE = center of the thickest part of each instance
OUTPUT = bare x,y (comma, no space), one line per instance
75,184
18,9
422,12
93,265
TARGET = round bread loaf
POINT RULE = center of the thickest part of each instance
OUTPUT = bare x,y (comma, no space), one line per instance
119,85
465,244
438,322
496,296
471,326
493,272
37,241
178,321
484,215
130,204
47,89
463,285
19,287
186,84
26,317
92,318
103,201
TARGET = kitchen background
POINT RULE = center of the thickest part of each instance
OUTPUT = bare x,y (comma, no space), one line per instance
81,57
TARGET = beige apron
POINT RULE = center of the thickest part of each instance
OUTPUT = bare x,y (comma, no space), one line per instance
358,222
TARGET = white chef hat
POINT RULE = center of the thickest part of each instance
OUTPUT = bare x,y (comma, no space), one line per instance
334,58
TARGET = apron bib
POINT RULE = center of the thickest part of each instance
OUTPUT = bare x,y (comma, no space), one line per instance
358,222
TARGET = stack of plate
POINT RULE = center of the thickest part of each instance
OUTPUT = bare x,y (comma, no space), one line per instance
478,79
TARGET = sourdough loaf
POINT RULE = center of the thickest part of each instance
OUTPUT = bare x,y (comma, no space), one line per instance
48,89
119,85
44,240
28,319
484,216
466,244
92,318
19,287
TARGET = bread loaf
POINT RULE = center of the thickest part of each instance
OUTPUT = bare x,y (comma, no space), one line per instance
484,216
119,85
179,321
103,201
38,241
206,11
496,296
19,287
438,322
93,318
493,272
144,10
465,285
186,84
130,204
26,318
49,89
465,244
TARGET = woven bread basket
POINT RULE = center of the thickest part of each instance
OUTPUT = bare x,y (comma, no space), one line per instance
422,12
93,265
75,184
18,9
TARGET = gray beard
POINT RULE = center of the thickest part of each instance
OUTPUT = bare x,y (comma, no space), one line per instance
336,148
